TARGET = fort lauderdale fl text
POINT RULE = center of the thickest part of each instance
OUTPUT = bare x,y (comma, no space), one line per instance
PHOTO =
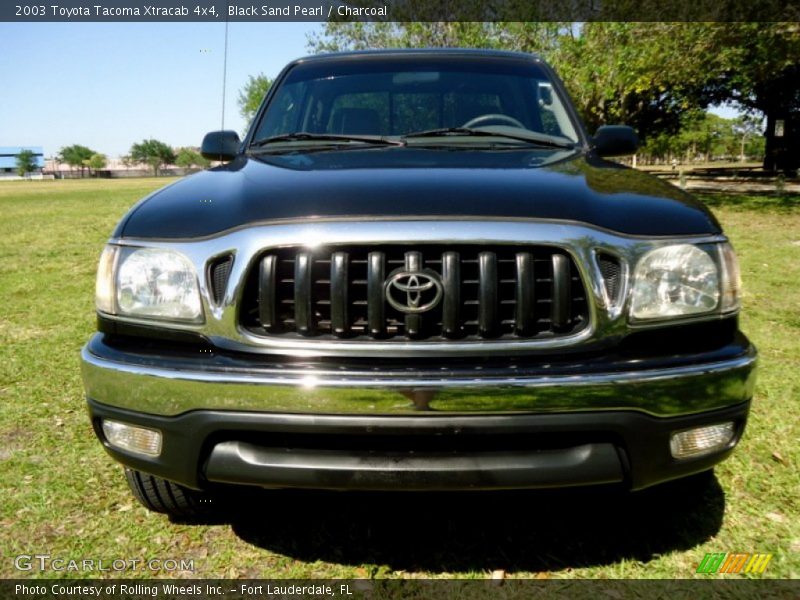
234,10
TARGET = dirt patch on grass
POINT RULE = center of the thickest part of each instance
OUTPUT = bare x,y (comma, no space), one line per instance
11,442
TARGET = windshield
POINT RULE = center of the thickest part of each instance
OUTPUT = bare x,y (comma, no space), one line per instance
398,96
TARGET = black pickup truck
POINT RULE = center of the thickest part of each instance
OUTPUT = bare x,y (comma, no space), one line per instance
416,272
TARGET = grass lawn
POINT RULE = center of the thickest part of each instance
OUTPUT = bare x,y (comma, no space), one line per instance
63,496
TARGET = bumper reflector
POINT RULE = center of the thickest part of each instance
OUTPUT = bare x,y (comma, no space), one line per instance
138,440
701,440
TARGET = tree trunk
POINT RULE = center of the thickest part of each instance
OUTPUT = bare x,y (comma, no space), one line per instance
780,101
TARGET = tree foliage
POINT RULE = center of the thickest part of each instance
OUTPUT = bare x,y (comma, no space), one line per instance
76,156
643,74
251,95
96,162
758,64
152,152
190,157
530,37
26,162
705,136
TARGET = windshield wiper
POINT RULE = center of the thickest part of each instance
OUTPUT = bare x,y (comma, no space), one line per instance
530,137
302,136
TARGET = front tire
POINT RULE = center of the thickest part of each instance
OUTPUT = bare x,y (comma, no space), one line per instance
163,496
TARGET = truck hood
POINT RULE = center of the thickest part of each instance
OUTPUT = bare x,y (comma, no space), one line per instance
407,182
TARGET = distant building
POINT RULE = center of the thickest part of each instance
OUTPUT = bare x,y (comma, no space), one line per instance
8,160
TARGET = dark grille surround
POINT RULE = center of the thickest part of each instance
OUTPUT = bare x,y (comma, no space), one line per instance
487,292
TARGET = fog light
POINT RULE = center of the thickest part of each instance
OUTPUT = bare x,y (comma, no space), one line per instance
133,438
701,441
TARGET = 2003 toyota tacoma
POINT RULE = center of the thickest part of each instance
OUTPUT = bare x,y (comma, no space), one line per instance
416,272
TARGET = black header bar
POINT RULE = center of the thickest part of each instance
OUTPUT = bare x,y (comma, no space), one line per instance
392,589
397,10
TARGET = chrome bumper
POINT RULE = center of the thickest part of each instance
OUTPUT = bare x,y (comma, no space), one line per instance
169,386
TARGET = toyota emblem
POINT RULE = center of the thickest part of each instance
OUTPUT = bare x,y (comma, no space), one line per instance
413,292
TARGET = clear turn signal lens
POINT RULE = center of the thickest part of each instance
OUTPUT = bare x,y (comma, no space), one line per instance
701,440
138,440
104,285
731,278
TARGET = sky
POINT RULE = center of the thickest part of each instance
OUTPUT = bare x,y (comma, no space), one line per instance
109,85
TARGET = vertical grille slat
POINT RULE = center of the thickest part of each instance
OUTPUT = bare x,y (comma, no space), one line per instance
413,322
267,291
487,309
524,316
339,283
376,273
560,306
451,302
303,307
468,292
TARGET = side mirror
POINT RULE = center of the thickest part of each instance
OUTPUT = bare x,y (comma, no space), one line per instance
221,145
615,140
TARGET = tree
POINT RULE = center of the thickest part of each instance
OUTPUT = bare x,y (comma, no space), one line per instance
747,129
75,156
646,75
251,95
761,72
26,162
96,162
127,161
531,37
707,136
154,153
189,157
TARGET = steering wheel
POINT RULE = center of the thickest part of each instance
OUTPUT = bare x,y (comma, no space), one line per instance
488,118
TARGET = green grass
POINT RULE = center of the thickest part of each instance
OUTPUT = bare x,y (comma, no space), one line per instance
62,495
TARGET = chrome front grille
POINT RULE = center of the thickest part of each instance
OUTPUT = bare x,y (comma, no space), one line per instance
428,292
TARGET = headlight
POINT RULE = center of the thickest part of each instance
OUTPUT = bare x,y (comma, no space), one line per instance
150,283
157,283
674,281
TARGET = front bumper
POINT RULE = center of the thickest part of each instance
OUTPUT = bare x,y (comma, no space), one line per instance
229,419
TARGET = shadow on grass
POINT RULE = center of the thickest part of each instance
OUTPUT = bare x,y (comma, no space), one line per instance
758,202
515,531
